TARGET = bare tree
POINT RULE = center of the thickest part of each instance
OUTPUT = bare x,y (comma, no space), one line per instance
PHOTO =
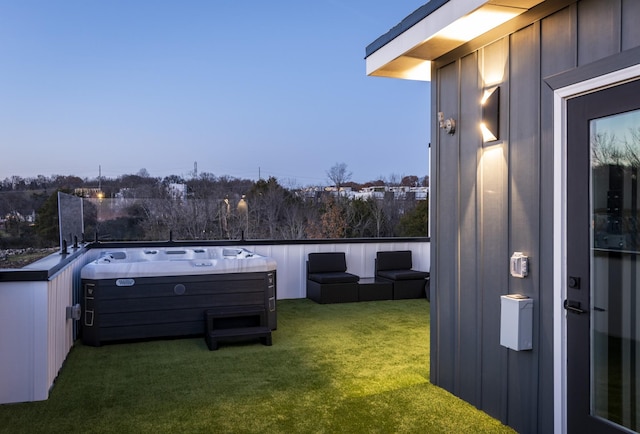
143,173
604,150
339,175
633,148
377,212
294,220
394,179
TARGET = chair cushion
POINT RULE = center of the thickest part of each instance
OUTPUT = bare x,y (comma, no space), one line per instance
336,277
327,262
403,274
395,260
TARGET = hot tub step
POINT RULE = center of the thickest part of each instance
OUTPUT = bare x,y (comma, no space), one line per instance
214,337
226,324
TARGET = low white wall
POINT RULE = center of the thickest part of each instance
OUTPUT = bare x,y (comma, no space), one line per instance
35,334
23,341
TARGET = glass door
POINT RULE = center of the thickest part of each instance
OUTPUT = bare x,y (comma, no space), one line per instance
603,266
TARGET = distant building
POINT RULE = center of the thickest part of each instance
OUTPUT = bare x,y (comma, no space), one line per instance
177,191
378,192
88,192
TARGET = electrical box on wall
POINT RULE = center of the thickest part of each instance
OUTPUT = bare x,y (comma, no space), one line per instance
519,265
516,322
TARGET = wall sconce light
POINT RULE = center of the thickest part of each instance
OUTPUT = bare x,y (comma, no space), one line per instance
490,125
449,125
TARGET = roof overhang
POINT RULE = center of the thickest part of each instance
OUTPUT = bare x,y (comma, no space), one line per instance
406,51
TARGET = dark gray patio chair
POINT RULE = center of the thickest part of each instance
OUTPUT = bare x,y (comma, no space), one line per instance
396,266
328,280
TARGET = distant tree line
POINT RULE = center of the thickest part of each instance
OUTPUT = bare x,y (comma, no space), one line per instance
206,207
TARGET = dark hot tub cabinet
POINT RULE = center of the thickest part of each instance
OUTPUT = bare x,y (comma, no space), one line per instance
138,293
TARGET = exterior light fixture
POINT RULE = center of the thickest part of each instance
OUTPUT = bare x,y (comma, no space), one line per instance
490,125
449,125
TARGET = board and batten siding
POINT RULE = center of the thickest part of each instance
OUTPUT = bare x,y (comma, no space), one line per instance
493,199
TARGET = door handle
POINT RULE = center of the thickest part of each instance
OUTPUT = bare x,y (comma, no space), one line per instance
573,306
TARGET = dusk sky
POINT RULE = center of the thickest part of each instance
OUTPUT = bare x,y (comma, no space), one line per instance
243,88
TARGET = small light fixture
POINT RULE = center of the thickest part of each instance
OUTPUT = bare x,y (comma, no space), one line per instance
490,125
74,312
449,125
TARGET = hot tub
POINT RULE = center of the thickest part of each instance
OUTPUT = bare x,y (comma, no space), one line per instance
141,293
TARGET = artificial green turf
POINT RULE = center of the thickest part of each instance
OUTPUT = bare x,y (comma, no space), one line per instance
342,368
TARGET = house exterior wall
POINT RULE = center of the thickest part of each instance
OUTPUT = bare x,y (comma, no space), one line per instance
491,200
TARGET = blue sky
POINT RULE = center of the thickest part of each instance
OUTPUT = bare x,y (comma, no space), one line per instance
270,88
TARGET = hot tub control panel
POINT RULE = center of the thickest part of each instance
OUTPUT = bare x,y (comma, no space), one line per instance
271,297
89,299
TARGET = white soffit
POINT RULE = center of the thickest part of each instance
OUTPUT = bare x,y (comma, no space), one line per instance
456,22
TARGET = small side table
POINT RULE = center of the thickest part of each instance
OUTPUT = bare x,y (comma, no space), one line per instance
371,289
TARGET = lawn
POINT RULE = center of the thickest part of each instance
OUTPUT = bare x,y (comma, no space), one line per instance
342,368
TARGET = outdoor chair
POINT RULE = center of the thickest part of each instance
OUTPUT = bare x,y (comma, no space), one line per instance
328,280
396,266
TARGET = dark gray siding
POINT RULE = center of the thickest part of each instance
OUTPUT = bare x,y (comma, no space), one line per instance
598,40
494,199
469,248
493,242
445,348
630,34
524,212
